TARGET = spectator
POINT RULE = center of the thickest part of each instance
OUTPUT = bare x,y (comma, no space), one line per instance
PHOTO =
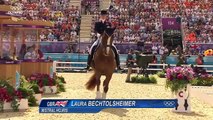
31,53
199,60
22,52
129,62
40,54
154,50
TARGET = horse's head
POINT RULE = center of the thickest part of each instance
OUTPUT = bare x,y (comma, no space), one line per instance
107,39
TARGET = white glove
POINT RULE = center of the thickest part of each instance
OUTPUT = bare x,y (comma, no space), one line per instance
98,35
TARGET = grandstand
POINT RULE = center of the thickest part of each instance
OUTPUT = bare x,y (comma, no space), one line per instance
139,22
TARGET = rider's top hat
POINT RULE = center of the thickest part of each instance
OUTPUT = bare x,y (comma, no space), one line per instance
104,12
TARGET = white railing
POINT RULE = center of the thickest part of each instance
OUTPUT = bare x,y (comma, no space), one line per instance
67,65
165,65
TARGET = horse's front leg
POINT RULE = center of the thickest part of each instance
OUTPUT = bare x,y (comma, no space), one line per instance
106,85
98,81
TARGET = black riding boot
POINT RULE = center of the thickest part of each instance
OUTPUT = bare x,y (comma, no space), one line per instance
117,58
89,60
90,57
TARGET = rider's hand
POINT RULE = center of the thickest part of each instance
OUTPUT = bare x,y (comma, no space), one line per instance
98,35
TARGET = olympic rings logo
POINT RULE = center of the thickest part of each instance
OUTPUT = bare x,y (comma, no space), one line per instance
169,103
16,8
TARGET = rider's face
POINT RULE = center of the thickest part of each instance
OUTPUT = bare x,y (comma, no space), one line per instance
104,17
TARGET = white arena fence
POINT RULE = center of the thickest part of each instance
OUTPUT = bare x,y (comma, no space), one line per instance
71,66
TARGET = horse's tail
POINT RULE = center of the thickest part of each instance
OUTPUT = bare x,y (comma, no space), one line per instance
90,85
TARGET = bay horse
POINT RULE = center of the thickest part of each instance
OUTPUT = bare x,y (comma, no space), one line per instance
103,64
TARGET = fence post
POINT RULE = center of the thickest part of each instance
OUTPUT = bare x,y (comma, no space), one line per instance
54,66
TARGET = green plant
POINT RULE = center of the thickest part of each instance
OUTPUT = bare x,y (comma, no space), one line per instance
5,83
161,74
176,85
24,83
61,79
60,84
61,87
138,80
134,79
152,79
15,104
143,79
202,82
6,91
49,81
45,81
35,88
1,106
24,92
32,101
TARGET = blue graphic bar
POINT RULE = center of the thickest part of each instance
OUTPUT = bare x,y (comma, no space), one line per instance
96,105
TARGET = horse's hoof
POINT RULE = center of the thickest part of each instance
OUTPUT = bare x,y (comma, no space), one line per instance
103,95
98,95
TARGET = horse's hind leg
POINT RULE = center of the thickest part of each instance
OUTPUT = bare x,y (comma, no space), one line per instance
106,85
98,81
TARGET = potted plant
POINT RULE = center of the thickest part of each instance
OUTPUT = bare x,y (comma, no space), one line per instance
37,79
5,99
6,96
23,95
61,79
178,81
45,82
178,78
37,92
49,84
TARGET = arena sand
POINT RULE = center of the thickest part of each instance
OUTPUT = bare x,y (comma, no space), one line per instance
117,89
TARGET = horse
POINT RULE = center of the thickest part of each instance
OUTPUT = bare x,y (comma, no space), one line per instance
103,64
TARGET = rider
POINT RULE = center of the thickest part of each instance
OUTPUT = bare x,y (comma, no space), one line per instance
100,27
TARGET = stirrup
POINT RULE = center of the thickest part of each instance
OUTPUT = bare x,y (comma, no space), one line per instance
88,67
119,68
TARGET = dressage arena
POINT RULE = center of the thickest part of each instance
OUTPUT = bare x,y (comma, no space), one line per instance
117,89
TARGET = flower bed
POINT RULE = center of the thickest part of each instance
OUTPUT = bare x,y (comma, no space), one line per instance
161,74
143,79
203,80
29,92
12,99
48,84
44,81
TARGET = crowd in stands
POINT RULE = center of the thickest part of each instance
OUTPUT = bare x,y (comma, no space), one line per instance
170,8
66,17
198,21
136,21
90,7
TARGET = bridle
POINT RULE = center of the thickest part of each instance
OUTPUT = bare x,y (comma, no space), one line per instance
109,37
108,45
